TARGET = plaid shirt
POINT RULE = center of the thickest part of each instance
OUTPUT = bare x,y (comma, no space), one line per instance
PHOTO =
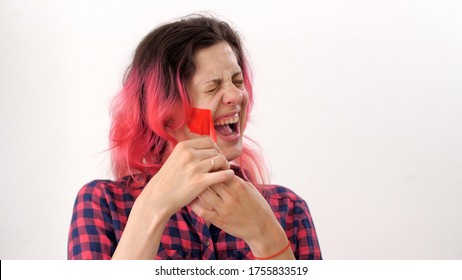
102,208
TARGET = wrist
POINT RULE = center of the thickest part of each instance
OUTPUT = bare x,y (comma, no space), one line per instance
269,244
155,203
281,254
151,213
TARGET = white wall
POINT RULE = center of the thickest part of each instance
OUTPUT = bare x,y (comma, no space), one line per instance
359,110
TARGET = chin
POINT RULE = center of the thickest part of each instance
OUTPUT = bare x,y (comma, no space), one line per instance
231,153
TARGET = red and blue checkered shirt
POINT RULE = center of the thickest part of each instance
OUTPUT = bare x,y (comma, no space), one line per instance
102,208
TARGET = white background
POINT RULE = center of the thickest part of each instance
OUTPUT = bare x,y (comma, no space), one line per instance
358,110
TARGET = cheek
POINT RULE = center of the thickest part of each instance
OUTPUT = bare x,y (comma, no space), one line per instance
210,103
245,106
195,101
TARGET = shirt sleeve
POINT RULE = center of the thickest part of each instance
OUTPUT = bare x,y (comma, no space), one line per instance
307,245
91,234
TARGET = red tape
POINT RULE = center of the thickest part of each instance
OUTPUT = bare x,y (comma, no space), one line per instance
201,123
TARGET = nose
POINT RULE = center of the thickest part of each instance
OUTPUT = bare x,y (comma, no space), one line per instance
232,96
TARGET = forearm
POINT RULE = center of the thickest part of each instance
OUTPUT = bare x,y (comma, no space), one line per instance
142,235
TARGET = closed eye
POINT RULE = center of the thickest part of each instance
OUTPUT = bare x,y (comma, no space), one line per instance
238,82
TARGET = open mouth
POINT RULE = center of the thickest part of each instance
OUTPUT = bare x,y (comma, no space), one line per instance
228,126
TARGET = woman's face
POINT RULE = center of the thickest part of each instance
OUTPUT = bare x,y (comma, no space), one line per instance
218,85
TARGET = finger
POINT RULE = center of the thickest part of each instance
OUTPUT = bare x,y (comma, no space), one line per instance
208,215
228,189
204,204
217,177
202,143
218,162
205,153
210,199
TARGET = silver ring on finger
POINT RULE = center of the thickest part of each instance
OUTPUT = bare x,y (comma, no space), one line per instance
213,164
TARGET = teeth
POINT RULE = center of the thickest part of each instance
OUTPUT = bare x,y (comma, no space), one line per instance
230,120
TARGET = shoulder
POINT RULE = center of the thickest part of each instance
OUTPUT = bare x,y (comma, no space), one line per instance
280,197
279,192
104,199
107,190
98,187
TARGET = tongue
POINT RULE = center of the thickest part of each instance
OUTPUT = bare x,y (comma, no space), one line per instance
224,130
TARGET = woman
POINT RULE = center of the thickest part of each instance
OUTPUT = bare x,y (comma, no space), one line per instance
187,189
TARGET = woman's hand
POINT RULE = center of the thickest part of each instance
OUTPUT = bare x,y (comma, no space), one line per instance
238,208
185,174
